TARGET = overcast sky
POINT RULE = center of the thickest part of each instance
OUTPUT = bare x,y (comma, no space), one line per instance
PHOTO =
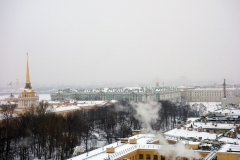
97,41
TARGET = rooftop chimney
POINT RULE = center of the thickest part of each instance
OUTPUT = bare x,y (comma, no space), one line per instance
133,141
110,150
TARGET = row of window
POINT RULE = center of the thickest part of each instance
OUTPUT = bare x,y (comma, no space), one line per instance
216,99
155,157
210,93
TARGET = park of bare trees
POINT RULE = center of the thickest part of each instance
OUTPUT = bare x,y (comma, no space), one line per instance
43,135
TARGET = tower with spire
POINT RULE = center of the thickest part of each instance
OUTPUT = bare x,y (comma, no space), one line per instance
224,89
28,97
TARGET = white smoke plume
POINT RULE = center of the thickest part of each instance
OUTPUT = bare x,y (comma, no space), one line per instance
148,112
178,150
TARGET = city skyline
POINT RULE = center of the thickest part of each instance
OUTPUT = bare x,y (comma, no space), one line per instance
106,42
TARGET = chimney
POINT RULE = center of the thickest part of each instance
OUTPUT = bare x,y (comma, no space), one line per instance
133,141
124,140
143,131
224,89
110,150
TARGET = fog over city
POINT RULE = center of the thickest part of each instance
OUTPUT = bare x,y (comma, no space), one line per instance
126,42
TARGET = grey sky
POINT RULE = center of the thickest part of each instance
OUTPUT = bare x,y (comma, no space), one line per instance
79,42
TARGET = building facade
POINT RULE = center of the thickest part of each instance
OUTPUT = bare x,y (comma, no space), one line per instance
135,94
209,94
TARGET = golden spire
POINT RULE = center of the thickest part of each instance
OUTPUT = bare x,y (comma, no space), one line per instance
28,83
27,72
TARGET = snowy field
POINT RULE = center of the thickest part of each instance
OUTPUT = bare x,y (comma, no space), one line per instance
210,106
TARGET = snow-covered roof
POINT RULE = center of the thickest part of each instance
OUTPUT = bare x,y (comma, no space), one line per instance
230,112
235,148
63,108
228,140
173,138
193,119
187,134
120,90
209,125
121,149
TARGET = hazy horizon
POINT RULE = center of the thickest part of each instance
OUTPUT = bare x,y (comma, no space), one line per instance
120,42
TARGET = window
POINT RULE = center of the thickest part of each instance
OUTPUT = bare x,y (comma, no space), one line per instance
135,157
155,157
162,157
148,156
140,156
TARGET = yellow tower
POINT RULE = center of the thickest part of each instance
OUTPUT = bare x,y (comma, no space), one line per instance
28,98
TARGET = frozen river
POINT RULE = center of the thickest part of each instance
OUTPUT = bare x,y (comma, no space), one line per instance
41,96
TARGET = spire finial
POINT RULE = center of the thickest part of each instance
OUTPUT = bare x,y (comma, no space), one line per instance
28,83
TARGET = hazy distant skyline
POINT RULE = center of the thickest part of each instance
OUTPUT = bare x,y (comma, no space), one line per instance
90,42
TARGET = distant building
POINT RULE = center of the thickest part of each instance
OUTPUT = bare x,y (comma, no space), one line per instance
11,98
209,94
184,91
28,97
135,94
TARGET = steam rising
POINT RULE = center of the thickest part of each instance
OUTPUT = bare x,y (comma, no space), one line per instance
147,113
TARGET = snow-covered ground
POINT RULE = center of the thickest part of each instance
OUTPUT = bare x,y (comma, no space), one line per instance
210,106
63,108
